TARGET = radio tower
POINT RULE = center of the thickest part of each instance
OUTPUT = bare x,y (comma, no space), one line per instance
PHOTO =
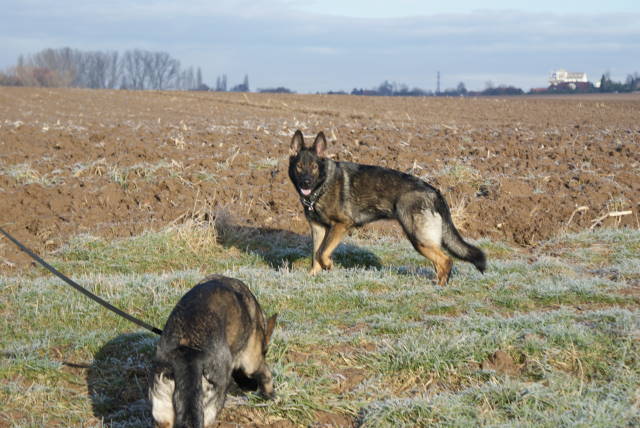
438,84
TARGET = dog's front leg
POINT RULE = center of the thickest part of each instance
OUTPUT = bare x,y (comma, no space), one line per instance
265,381
330,242
318,233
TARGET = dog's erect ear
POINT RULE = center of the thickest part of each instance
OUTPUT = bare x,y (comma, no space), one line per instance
320,144
271,324
297,143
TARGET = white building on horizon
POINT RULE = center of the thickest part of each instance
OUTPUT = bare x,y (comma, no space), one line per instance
564,76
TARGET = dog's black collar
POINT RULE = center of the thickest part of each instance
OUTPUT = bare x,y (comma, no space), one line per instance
311,200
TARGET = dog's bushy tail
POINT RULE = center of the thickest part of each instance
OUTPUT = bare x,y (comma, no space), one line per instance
456,245
188,392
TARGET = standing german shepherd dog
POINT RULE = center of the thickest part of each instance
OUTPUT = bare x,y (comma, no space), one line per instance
338,196
216,331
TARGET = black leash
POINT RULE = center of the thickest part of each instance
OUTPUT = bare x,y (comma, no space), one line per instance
79,287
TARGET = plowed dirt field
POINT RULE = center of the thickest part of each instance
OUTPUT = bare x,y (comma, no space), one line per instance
116,163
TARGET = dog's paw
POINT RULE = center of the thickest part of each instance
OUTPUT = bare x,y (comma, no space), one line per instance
326,264
268,395
316,269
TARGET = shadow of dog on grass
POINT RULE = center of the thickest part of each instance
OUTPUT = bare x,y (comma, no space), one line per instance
118,380
278,247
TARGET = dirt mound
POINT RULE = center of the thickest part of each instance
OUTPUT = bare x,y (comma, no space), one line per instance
116,163
502,363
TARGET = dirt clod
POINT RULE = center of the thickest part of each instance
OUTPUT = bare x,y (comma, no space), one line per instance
502,363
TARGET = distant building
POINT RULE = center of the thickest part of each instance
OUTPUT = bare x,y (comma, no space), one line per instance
559,77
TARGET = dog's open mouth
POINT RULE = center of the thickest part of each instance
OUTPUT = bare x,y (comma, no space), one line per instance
305,192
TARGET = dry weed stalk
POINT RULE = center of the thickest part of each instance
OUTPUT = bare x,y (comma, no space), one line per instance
230,159
197,232
459,215
577,210
617,214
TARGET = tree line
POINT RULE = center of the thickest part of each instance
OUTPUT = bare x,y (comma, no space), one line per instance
221,85
141,69
134,69
393,89
605,85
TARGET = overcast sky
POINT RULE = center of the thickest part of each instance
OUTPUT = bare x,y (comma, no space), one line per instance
311,46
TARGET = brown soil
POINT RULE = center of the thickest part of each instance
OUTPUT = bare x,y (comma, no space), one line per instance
116,163
502,363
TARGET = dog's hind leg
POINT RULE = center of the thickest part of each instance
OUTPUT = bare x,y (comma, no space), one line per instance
318,233
441,261
423,227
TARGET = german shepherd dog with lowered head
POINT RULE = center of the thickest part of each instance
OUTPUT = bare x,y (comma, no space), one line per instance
216,332
337,196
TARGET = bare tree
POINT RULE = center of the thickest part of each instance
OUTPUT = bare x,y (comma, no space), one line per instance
186,81
162,70
633,81
113,72
199,79
59,63
101,70
136,69
133,70
242,87
245,83
221,83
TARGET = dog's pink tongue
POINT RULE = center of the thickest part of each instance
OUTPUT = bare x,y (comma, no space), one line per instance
306,192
